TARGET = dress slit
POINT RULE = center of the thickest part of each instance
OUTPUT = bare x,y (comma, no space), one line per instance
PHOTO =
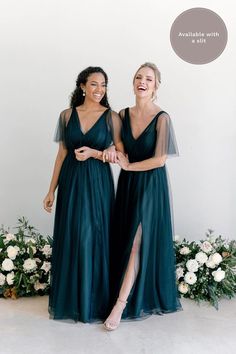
132,267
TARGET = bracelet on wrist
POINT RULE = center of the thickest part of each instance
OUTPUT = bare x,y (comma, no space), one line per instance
97,155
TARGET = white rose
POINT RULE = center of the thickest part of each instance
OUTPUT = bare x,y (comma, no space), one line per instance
218,275
201,257
39,286
29,265
206,247
210,263
179,272
7,264
10,278
47,250
184,250
9,237
46,266
216,258
12,252
190,278
2,279
177,238
192,265
183,287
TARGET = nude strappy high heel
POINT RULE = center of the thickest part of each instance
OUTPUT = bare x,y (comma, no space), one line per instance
110,324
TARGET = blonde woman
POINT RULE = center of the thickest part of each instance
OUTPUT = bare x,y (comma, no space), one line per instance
142,255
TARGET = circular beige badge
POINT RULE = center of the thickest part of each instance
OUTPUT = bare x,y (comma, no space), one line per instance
198,35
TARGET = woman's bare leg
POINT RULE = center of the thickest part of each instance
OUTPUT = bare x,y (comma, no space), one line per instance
112,322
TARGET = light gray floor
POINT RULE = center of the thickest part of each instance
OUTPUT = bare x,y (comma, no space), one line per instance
25,329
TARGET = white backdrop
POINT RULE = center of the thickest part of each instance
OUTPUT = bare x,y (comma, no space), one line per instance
45,43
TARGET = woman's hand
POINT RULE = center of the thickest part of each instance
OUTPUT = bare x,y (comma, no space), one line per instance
83,153
110,154
48,202
123,161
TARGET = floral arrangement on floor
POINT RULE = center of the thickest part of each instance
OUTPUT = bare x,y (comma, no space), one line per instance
25,261
206,270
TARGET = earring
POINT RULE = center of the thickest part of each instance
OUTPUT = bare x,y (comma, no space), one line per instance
83,93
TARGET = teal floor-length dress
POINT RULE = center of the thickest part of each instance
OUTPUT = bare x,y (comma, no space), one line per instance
143,199
80,259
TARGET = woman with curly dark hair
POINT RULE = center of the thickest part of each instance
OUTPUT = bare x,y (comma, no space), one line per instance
80,260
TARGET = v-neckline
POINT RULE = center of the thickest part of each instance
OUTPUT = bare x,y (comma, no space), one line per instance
132,135
80,126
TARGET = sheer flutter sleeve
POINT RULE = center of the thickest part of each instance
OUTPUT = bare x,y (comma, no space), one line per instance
59,135
166,143
165,147
115,125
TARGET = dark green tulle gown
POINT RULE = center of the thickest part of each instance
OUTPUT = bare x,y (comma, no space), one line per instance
143,199
80,260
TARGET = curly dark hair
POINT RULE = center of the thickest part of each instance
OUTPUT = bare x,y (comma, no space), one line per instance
77,97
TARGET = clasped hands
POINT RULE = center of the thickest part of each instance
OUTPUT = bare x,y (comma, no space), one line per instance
108,155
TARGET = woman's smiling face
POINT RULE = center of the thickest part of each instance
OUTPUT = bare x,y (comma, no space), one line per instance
144,83
95,87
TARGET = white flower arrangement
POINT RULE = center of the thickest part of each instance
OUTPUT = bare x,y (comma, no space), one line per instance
206,270
25,261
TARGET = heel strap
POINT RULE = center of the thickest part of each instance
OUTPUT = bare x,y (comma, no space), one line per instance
122,301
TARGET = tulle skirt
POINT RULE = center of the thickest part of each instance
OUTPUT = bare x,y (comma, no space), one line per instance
143,200
80,260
